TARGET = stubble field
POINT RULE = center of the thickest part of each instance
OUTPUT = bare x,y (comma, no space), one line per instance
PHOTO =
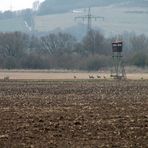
69,114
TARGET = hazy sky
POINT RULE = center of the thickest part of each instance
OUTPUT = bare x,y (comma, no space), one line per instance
16,4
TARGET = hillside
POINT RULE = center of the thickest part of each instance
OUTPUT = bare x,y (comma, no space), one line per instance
14,24
56,6
120,16
117,20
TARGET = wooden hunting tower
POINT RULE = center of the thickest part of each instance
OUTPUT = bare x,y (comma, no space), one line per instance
118,71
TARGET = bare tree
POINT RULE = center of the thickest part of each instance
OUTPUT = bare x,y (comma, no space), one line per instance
58,44
94,42
13,44
139,43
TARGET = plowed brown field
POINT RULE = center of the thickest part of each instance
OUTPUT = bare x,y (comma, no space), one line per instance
71,114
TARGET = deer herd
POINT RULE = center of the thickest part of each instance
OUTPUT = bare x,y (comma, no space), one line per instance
92,77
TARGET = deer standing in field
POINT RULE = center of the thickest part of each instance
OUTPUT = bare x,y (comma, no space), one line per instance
6,78
98,77
91,77
74,77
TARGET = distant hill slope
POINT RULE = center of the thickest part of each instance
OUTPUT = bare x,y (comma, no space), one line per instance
59,6
117,20
57,14
14,24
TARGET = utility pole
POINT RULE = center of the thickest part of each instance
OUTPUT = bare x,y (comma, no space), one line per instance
89,17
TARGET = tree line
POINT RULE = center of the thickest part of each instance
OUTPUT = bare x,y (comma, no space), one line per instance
63,51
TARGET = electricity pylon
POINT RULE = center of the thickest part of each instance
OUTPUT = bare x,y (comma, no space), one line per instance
89,17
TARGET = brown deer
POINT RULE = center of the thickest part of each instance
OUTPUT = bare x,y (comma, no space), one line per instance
98,77
6,78
91,77
74,77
